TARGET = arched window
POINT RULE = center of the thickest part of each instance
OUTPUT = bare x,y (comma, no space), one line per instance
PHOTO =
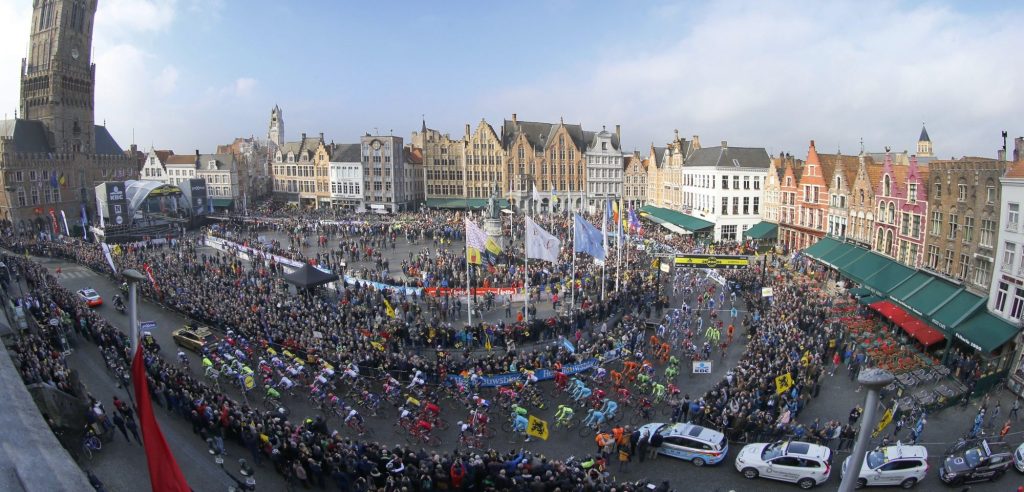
878,240
886,185
888,242
881,212
862,197
839,182
892,213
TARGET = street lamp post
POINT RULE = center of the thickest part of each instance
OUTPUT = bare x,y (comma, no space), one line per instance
873,379
133,277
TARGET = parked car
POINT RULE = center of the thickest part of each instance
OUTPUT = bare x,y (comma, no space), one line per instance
802,463
982,461
90,297
892,465
696,444
1018,458
193,338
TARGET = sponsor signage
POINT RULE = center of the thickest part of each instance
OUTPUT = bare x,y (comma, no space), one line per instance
117,203
702,367
712,261
200,201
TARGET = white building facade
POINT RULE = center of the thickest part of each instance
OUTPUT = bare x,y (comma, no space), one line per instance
1006,294
725,185
604,167
346,176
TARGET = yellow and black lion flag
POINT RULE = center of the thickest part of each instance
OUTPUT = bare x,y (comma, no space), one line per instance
537,428
389,310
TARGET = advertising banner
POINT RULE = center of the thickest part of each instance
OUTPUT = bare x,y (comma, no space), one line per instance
199,199
117,203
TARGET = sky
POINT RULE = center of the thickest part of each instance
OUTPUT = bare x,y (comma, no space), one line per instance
191,74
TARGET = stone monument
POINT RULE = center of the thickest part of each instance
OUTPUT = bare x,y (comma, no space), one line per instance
492,223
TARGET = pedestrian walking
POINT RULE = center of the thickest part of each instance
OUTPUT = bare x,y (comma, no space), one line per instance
132,426
855,414
642,445
1015,408
119,422
623,458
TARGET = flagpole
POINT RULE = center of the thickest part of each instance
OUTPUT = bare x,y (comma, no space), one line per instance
469,284
526,274
618,244
572,279
604,235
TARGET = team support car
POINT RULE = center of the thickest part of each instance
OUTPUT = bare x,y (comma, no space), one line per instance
193,338
802,463
1018,458
982,461
696,444
90,297
892,465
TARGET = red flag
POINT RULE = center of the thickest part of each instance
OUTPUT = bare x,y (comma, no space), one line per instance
149,273
164,473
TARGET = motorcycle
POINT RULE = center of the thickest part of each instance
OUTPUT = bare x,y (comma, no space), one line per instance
120,307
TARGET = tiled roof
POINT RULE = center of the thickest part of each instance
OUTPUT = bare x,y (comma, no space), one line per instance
29,135
346,153
539,134
1016,170
105,143
179,159
850,165
728,157
874,174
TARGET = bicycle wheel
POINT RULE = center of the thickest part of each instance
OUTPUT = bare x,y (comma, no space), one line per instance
586,431
487,432
506,427
86,450
441,423
95,443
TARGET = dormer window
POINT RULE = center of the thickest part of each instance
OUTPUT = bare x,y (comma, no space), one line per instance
912,192
211,165
886,186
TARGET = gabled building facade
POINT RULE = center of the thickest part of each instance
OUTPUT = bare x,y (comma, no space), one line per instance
604,168
443,164
840,191
550,157
862,205
294,171
634,181
485,161
808,202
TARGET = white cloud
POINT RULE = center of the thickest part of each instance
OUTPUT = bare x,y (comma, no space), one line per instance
14,39
244,86
115,18
776,74
166,81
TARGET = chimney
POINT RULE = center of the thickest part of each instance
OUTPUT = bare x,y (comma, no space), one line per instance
321,136
725,144
197,159
513,117
1018,149
467,131
303,136
618,134
1002,155
695,143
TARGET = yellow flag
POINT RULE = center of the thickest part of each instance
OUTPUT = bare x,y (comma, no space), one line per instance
117,249
782,383
487,343
537,428
473,255
390,310
883,422
377,345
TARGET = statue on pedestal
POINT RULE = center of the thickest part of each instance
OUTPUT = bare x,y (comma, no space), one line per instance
492,204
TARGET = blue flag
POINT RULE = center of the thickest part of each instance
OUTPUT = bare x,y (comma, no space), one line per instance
588,239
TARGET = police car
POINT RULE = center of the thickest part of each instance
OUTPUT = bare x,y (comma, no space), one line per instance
982,461
696,444
1018,458
90,297
892,465
802,463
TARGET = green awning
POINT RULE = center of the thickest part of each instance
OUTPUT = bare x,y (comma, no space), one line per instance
461,203
763,230
869,300
837,252
866,266
222,202
911,285
679,219
887,278
985,332
957,309
859,292
843,262
818,249
925,301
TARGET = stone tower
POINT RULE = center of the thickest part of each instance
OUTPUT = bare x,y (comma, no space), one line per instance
924,144
276,132
58,77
